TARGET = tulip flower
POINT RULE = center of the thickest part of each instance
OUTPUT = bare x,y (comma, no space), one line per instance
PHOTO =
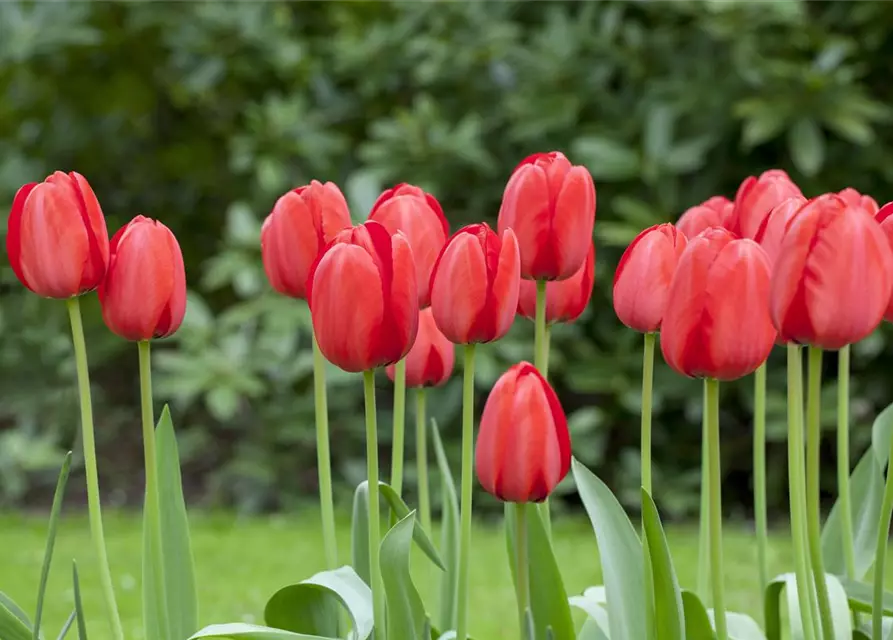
717,211
550,205
56,238
855,199
756,197
143,295
302,223
884,217
565,299
775,225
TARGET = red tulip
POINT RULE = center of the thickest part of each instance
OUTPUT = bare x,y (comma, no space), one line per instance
363,298
302,223
550,205
758,196
833,277
855,199
565,299
717,211
430,361
523,449
474,285
885,219
418,215
643,277
56,237
775,225
717,324
143,295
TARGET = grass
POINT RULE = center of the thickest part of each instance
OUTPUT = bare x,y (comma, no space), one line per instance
240,562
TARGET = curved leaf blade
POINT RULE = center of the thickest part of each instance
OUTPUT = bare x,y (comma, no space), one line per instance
419,535
407,619
669,617
359,531
242,631
55,510
12,627
881,433
697,621
449,542
549,606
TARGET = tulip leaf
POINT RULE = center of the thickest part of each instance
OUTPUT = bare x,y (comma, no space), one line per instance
78,605
591,631
860,595
419,535
51,540
669,619
740,626
596,626
866,490
359,531
881,433
621,556
407,619
313,605
67,626
697,620
242,631
449,543
14,624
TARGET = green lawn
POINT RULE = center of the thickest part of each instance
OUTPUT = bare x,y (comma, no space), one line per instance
241,562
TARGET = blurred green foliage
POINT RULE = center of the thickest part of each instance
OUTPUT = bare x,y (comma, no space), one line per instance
202,114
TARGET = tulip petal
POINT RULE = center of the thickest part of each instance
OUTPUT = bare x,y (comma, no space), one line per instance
526,210
573,222
14,232
505,286
403,300
97,233
459,286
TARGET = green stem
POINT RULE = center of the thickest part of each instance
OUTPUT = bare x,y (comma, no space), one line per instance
647,383
522,561
797,489
93,504
399,426
813,464
880,553
421,452
548,340
759,473
711,389
541,362
843,460
323,457
467,475
378,607
703,526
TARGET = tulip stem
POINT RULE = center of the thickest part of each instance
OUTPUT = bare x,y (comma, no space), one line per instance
541,362
93,503
323,457
399,426
797,489
548,340
843,460
813,464
759,473
374,512
703,525
522,560
421,445
880,554
647,384
467,471
711,391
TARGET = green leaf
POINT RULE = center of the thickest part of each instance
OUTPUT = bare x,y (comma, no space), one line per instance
840,606
406,612
242,631
741,626
419,535
596,626
170,601
866,489
312,606
859,595
669,618
58,496
67,626
449,543
591,631
548,598
621,556
14,609
697,621
806,144
14,625
787,583
881,433
359,531
78,605
607,159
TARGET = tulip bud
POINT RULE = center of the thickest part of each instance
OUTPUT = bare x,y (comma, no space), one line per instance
143,295
775,225
833,277
302,223
430,361
363,298
756,197
716,323
474,285
884,217
855,199
550,205
643,277
419,217
565,299
523,448
717,211
56,237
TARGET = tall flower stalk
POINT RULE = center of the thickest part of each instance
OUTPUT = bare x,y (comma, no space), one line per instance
759,474
466,490
421,443
541,362
711,393
323,457
843,461
399,432
378,603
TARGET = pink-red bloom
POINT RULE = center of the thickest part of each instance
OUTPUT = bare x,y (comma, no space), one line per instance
833,276
143,295
474,285
885,219
430,361
363,298
855,199
523,448
565,299
775,225
420,218
56,238
756,197
716,323
717,211
643,276
550,205
302,223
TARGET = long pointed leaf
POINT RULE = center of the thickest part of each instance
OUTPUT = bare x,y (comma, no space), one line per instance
67,626
12,627
419,535
669,617
51,541
359,531
859,595
78,605
406,612
697,621
449,544
14,610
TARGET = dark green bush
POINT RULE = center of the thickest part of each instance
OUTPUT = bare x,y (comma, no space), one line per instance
201,114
